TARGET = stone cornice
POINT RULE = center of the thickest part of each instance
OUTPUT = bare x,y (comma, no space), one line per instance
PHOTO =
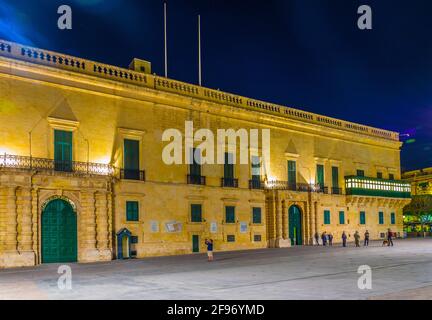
83,82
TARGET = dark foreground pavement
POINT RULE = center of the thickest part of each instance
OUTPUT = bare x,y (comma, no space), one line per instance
400,272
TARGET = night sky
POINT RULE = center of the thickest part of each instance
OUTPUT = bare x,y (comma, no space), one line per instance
307,54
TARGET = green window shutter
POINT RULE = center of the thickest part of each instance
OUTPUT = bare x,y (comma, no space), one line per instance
341,217
196,213
195,167
381,217
230,214
326,217
360,173
320,175
393,218
131,154
256,215
132,213
229,166
131,159
292,173
379,175
362,217
335,177
256,168
62,150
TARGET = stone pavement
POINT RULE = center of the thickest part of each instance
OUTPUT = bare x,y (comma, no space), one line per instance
400,272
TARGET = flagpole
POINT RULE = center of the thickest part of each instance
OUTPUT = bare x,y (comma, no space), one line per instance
165,39
199,51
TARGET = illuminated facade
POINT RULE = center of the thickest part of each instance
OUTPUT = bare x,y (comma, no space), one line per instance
82,179
418,214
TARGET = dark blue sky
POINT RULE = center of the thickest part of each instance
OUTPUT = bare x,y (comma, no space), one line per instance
307,54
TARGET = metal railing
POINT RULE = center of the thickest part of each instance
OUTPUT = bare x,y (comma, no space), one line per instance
256,185
131,174
300,187
229,182
31,163
196,179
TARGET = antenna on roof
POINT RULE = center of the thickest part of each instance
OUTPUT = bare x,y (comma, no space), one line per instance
165,39
199,51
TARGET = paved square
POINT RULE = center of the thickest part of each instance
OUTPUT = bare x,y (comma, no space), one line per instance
400,272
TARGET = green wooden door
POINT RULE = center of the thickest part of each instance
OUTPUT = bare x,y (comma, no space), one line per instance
195,243
295,226
59,232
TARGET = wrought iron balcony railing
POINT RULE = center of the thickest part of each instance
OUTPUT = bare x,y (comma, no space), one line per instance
256,184
196,179
364,186
229,182
335,190
30,163
300,187
130,174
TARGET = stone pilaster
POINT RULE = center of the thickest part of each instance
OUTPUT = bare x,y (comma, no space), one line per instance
102,234
3,211
285,234
110,220
11,220
87,246
278,217
25,225
35,229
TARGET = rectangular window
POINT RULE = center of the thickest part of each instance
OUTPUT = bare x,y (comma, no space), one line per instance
196,213
391,176
131,159
292,174
335,177
341,217
256,168
230,214
230,238
256,215
132,212
195,166
326,217
362,217
257,238
229,166
134,239
393,218
379,175
320,175
381,217
360,173
62,150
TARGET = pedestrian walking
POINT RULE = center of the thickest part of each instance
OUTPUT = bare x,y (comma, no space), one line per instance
389,237
317,238
330,239
344,239
366,239
324,238
357,239
209,244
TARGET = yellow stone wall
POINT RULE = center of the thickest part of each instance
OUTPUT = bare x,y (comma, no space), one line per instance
35,99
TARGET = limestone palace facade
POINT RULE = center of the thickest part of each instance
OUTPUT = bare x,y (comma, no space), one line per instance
82,176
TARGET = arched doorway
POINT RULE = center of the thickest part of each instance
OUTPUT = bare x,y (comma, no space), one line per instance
59,232
295,226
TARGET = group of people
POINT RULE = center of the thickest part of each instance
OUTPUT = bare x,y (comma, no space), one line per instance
328,238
